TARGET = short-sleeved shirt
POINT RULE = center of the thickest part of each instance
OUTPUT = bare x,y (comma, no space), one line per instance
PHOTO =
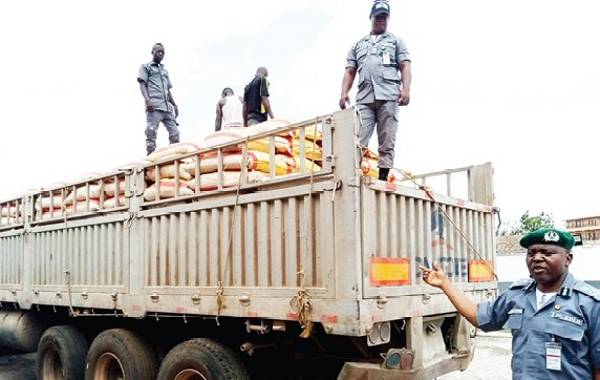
253,94
157,79
571,318
377,61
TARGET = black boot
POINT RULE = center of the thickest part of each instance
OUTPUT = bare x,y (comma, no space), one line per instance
383,174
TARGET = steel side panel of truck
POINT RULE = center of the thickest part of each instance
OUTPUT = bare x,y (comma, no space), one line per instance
169,257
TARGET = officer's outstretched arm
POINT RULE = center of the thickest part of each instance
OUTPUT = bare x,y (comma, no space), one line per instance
437,278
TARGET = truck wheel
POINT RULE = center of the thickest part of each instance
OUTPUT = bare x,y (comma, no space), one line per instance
61,354
202,359
120,354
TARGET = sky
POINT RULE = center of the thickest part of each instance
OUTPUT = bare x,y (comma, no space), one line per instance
511,82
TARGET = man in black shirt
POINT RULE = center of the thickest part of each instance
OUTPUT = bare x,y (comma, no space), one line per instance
257,107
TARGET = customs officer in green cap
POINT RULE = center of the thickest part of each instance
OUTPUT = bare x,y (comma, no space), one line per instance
554,318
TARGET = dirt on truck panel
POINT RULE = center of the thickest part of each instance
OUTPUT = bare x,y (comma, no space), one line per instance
270,242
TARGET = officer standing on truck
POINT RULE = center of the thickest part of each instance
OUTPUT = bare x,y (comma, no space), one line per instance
554,318
155,86
377,58
229,110
257,105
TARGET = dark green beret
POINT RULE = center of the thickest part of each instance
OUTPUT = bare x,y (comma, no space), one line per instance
548,236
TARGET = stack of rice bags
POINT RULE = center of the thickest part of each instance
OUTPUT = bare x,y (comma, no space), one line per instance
286,144
313,149
167,172
75,201
287,160
9,214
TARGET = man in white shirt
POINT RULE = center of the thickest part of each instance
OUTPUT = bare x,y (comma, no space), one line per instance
229,111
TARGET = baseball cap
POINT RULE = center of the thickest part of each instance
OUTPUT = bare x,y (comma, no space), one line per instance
380,7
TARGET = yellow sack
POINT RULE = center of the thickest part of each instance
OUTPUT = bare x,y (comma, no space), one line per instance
311,149
282,145
282,166
311,134
308,166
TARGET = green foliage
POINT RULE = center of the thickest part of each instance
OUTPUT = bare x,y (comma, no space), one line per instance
528,223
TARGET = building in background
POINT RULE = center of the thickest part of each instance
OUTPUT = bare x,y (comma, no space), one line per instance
588,228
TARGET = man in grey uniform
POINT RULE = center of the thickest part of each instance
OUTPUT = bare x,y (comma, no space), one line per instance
554,318
377,58
155,86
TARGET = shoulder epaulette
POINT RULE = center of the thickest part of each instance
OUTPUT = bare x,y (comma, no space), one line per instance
587,289
521,283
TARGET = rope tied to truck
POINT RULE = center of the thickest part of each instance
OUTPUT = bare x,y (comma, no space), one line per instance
301,306
300,303
427,190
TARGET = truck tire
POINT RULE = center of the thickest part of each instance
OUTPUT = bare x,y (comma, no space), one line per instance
120,354
202,359
61,354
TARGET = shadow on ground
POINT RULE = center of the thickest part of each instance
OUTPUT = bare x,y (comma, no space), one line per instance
16,366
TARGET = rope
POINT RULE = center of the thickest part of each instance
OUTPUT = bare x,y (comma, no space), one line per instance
300,303
72,312
408,176
220,289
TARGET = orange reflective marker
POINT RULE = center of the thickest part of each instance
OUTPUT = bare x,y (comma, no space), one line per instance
387,271
479,271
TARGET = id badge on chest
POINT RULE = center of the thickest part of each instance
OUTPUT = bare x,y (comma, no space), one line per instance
386,58
553,355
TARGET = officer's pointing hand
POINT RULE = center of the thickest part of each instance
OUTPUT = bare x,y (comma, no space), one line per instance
434,277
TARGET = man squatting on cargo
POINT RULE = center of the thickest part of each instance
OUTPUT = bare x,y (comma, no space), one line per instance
554,318
377,58
156,88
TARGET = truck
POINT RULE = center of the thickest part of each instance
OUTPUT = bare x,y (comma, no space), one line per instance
310,275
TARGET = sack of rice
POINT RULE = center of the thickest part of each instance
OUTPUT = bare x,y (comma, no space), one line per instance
267,126
210,181
281,144
231,161
168,171
82,192
115,202
309,166
313,133
311,149
109,187
167,189
172,151
282,163
46,203
82,207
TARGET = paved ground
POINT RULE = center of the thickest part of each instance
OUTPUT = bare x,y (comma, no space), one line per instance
492,359
17,367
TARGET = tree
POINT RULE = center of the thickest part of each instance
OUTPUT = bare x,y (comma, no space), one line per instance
528,223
